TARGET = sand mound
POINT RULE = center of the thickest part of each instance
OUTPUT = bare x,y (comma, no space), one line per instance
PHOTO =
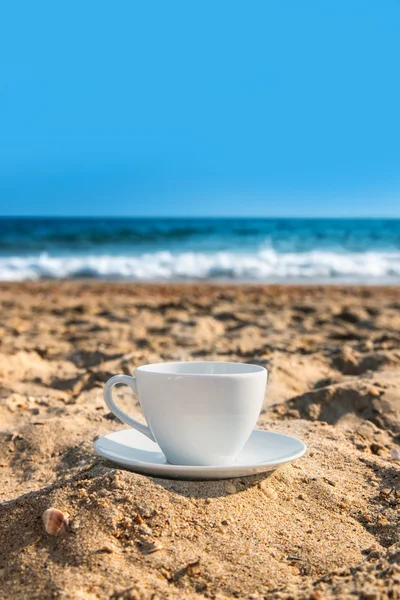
376,400
221,539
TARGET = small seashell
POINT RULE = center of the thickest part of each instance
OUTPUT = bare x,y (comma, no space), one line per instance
395,453
55,522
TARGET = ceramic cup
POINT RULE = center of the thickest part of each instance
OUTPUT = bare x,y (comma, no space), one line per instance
199,413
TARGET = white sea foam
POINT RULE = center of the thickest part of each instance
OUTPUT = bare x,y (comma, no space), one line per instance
264,265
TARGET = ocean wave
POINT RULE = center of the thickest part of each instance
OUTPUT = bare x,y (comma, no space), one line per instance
264,265
38,235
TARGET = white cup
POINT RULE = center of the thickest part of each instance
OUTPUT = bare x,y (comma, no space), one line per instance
199,413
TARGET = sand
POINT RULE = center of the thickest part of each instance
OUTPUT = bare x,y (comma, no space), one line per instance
326,526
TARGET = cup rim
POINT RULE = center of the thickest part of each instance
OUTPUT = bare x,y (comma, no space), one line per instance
152,368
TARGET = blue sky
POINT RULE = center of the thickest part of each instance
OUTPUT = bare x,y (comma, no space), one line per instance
270,108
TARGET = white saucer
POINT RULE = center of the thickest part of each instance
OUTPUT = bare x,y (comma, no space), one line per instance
264,451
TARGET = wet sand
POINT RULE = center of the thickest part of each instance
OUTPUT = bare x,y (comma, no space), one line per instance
326,526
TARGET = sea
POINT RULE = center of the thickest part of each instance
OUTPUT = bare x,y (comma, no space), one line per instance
243,249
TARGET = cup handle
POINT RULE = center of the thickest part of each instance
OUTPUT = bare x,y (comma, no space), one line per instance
122,416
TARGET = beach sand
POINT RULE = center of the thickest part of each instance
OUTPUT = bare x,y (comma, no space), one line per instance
325,526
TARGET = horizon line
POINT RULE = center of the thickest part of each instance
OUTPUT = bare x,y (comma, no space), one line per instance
194,217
